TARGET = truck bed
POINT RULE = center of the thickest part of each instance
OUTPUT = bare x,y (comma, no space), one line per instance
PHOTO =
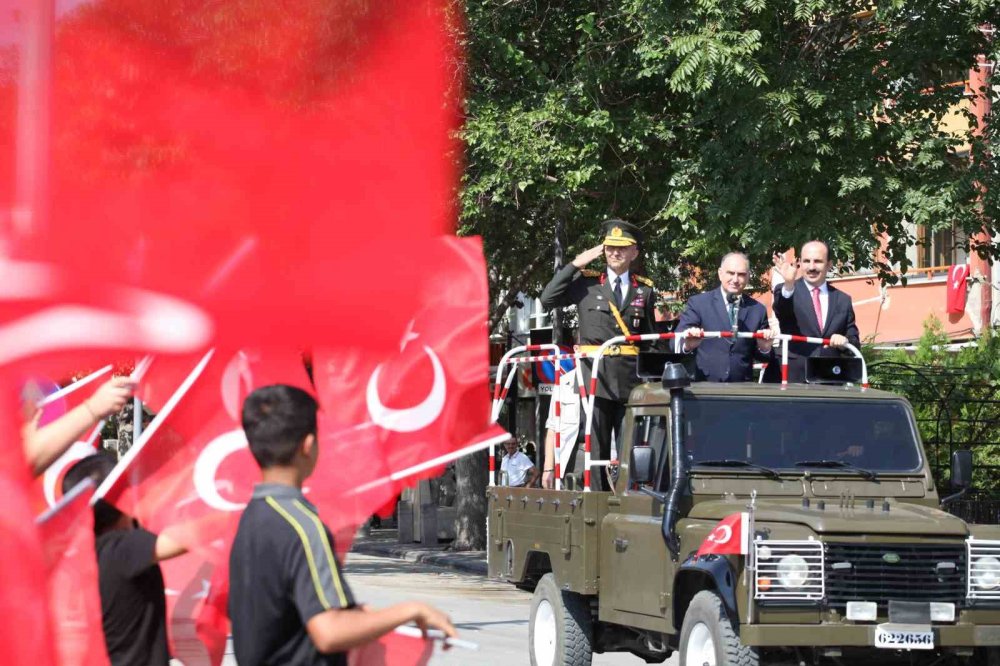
533,531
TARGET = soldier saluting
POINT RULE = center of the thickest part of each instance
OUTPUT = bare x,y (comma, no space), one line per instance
611,302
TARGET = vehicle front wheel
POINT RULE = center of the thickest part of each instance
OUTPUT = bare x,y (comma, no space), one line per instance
561,626
708,638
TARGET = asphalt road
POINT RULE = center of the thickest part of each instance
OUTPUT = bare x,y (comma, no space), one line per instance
492,614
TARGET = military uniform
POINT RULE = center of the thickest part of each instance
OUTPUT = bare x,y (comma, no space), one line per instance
591,292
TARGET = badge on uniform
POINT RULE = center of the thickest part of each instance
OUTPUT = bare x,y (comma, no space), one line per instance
600,298
638,302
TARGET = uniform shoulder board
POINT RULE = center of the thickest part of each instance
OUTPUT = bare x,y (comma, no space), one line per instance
645,280
586,272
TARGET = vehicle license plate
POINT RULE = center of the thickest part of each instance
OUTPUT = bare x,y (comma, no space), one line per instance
904,636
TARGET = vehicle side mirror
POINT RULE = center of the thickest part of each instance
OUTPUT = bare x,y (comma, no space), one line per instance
642,465
961,469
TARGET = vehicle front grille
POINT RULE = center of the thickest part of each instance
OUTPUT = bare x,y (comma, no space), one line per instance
907,572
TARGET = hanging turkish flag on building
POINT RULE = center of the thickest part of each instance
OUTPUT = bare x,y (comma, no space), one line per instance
957,291
730,537
388,420
67,533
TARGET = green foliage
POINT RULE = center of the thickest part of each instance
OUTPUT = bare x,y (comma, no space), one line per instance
717,125
955,397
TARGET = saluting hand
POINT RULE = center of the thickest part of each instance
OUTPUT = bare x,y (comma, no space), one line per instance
588,256
789,270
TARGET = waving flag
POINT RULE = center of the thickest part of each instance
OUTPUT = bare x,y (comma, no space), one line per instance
391,419
198,161
191,473
67,532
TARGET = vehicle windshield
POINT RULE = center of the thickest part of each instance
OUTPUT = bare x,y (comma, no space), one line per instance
875,435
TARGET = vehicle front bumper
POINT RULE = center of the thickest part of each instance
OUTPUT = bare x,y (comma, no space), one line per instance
860,635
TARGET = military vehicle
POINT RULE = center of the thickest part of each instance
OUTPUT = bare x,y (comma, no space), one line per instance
849,557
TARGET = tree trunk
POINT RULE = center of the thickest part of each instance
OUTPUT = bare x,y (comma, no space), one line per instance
471,475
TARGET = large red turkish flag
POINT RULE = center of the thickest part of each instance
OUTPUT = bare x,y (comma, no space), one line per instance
67,533
269,181
390,419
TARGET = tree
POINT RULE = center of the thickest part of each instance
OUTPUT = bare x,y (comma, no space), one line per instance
721,124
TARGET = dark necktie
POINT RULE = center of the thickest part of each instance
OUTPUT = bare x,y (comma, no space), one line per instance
618,291
732,314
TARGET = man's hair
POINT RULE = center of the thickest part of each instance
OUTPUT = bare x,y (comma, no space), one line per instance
276,419
742,256
829,252
95,467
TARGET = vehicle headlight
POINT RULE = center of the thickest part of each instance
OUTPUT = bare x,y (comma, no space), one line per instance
986,572
793,571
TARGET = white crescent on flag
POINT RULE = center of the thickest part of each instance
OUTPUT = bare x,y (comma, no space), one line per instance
413,418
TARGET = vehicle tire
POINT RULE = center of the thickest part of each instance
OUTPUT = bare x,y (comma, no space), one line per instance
561,626
707,636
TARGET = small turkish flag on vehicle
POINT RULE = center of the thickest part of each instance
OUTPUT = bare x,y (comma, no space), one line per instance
957,276
730,537
67,533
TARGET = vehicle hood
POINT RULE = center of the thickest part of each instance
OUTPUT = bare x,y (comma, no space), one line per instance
901,518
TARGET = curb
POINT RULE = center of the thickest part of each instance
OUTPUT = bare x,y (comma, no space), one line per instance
473,562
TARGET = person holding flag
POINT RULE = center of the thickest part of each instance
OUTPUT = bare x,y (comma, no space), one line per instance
288,600
133,600
44,444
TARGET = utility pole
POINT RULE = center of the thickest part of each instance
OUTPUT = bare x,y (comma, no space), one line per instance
980,94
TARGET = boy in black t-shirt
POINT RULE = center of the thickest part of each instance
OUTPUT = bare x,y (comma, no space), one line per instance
288,601
133,604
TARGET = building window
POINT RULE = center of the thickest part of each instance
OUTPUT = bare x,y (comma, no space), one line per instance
939,249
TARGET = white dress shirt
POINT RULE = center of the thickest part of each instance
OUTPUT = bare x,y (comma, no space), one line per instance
612,276
514,469
824,297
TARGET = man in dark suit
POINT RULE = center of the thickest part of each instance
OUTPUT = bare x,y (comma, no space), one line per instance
726,309
609,302
811,307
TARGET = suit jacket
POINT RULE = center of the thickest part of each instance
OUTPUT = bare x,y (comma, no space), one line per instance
797,317
590,292
724,360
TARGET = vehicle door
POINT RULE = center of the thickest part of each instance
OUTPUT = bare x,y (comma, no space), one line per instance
639,564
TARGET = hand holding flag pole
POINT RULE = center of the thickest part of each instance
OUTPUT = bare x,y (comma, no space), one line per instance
436,635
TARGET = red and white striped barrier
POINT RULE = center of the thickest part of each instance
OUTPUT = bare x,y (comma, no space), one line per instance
817,341
648,337
502,388
587,396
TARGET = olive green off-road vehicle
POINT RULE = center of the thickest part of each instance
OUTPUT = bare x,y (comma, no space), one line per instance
850,558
